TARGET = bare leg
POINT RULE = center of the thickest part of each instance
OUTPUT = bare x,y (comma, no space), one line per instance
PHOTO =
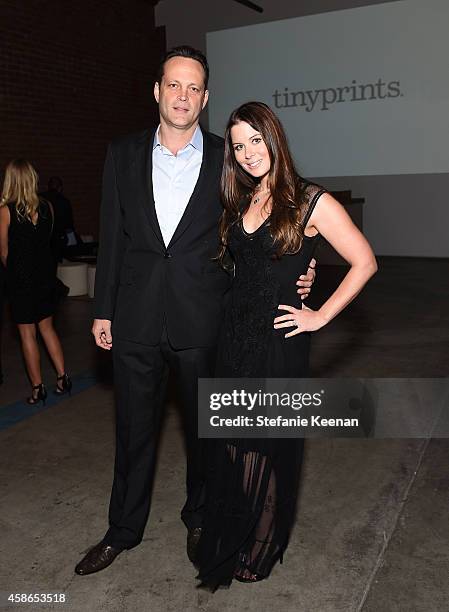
53,344
30,350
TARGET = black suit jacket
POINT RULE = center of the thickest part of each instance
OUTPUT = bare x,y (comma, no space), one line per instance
139,282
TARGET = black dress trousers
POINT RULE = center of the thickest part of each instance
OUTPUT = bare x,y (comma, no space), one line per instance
141,375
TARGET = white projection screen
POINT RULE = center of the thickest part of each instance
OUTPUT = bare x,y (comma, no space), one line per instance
362,91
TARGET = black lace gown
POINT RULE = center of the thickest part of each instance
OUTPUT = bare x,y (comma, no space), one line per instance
30,267
252,484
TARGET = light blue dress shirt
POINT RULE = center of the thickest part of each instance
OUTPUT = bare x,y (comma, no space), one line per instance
174,179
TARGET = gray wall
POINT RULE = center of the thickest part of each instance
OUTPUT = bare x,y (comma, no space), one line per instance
404,215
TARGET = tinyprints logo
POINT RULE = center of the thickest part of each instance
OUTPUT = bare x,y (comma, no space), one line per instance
324,99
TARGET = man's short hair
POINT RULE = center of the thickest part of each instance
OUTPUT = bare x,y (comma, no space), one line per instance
185,51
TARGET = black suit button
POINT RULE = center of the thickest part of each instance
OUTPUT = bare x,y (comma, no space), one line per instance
167,255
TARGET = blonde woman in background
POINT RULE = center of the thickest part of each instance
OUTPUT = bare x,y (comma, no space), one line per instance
26,224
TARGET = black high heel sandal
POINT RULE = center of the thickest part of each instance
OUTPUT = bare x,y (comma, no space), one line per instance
244,567
251,578
41,394
66,385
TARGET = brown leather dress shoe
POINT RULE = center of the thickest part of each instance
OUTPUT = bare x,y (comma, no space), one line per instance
98,557
193,537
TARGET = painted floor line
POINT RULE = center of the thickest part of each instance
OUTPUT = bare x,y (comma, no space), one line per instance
11,414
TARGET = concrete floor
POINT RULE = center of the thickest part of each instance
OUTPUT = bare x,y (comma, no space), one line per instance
372,530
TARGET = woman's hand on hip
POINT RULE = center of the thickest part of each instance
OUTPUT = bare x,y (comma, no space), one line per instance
301,319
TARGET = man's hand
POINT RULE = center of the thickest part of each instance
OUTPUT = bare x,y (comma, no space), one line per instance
101,330
306,281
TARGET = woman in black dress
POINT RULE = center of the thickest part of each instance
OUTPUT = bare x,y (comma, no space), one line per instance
270,228
26,225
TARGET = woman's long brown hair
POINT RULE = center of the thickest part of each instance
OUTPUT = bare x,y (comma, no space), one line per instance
288,204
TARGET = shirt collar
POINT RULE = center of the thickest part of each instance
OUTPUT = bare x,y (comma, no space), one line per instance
196,141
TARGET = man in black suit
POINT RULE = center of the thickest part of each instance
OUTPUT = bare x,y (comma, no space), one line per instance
63,221
158,293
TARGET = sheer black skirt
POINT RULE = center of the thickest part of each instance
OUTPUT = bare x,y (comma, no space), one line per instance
252,488
251,484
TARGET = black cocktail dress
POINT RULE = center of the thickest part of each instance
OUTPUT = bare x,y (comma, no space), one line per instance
30,267
252,484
